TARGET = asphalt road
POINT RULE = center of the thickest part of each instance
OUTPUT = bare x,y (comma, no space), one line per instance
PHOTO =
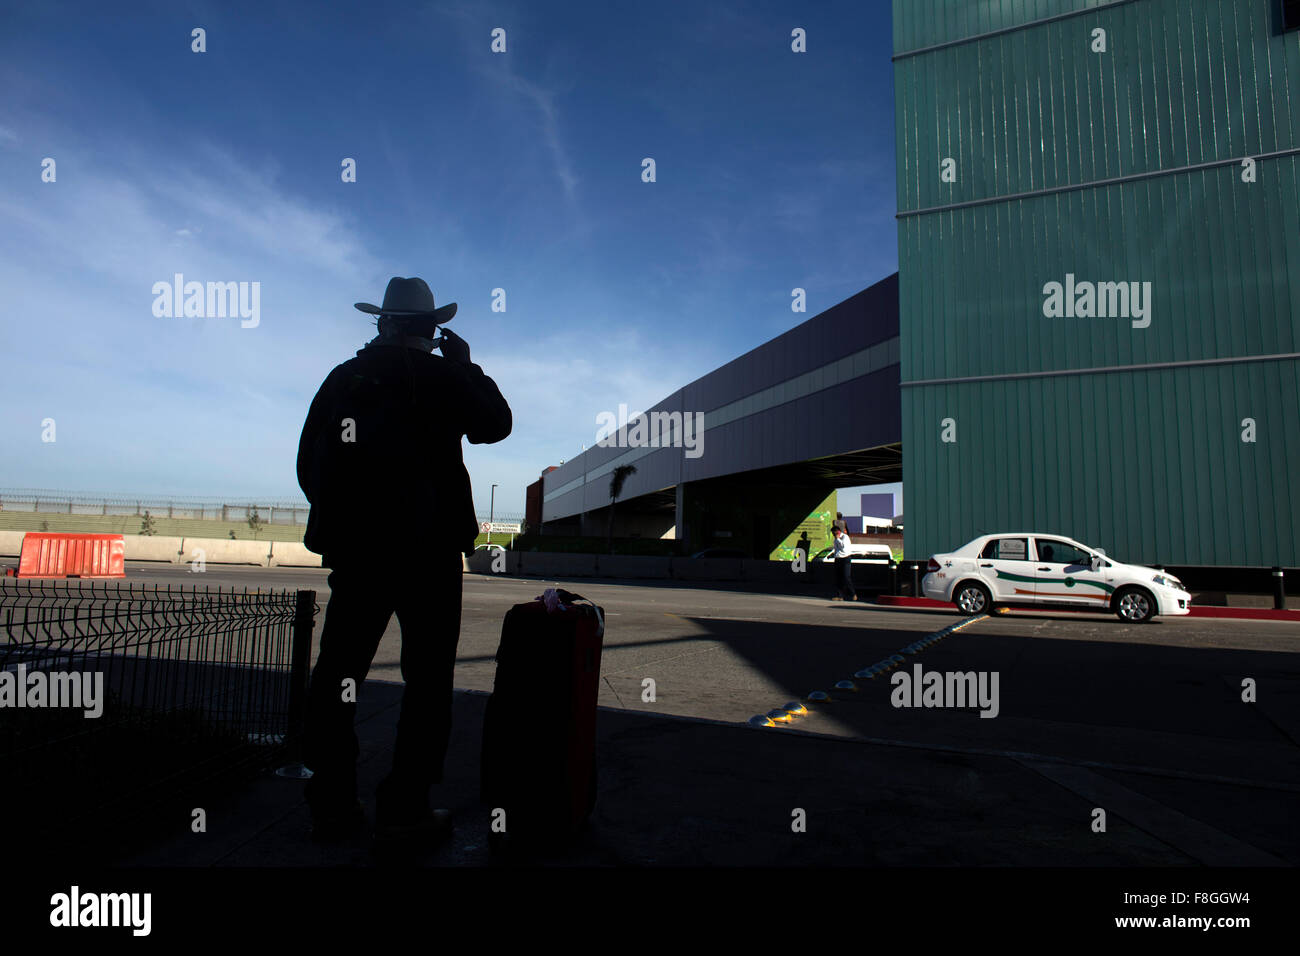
1147,721
1164,694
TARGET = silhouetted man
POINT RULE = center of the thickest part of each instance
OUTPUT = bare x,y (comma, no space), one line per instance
391,513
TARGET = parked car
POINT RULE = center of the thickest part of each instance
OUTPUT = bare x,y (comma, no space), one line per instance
1045,570
859,554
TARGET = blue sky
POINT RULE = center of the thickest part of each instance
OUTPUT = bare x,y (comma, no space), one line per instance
475,171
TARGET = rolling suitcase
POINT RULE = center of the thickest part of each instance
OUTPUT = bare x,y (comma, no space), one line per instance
539,729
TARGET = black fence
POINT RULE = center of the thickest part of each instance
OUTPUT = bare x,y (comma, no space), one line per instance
118,699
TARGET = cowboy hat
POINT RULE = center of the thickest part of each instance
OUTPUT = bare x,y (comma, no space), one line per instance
409,298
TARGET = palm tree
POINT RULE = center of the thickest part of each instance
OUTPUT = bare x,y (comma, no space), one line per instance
616,481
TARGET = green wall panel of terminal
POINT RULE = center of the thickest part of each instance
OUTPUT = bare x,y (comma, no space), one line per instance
1152,172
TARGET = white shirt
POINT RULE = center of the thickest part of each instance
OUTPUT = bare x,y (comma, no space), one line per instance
841,546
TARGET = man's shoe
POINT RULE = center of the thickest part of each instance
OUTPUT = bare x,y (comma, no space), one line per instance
334,825
837,598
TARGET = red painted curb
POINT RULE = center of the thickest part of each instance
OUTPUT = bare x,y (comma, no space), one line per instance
1257,613
1247,613
899,601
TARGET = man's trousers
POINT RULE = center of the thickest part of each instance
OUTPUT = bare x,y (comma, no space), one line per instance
844,578
425,594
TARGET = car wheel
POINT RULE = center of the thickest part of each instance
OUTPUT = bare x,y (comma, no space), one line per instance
972,598
1134,605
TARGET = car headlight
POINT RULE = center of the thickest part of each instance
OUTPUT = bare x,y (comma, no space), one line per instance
1168,581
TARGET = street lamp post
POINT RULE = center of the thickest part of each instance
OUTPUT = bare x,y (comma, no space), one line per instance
492,505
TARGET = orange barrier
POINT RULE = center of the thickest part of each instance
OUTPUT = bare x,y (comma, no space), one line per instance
49,555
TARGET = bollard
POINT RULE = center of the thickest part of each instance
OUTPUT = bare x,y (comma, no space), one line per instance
916,579
1279,590
893,577
299,676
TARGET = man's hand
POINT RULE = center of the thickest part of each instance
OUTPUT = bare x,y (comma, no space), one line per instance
454,347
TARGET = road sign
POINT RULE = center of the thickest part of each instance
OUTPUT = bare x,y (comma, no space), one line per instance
501,527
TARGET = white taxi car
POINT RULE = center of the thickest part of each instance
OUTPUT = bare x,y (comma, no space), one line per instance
1027,568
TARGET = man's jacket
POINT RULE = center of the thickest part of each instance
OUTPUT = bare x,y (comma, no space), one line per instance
380,454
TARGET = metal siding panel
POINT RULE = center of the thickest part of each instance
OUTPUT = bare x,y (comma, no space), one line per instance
910,476
1102,100
1286,465
1240,459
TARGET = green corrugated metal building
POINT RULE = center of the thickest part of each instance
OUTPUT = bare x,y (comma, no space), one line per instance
1119,423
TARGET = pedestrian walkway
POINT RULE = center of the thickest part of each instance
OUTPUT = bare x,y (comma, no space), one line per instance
678,791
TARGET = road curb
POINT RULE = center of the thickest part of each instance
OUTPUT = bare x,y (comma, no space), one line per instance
1245,613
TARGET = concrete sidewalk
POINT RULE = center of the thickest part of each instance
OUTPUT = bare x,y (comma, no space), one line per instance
677,791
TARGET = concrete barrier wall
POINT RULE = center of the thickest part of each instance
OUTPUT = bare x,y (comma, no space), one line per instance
480,561
11,543
633,566
149,547
542,564
778,575
707,569
771,572
291,554
216,551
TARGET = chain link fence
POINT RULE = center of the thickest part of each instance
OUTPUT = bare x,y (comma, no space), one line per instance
282,511
270,510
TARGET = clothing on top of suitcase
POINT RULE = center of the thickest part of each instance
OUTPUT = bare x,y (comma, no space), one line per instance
539,728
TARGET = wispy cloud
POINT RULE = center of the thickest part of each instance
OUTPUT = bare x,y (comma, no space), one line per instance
544,101
82,258
501,71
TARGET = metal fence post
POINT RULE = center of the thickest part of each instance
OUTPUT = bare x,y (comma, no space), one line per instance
299,675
